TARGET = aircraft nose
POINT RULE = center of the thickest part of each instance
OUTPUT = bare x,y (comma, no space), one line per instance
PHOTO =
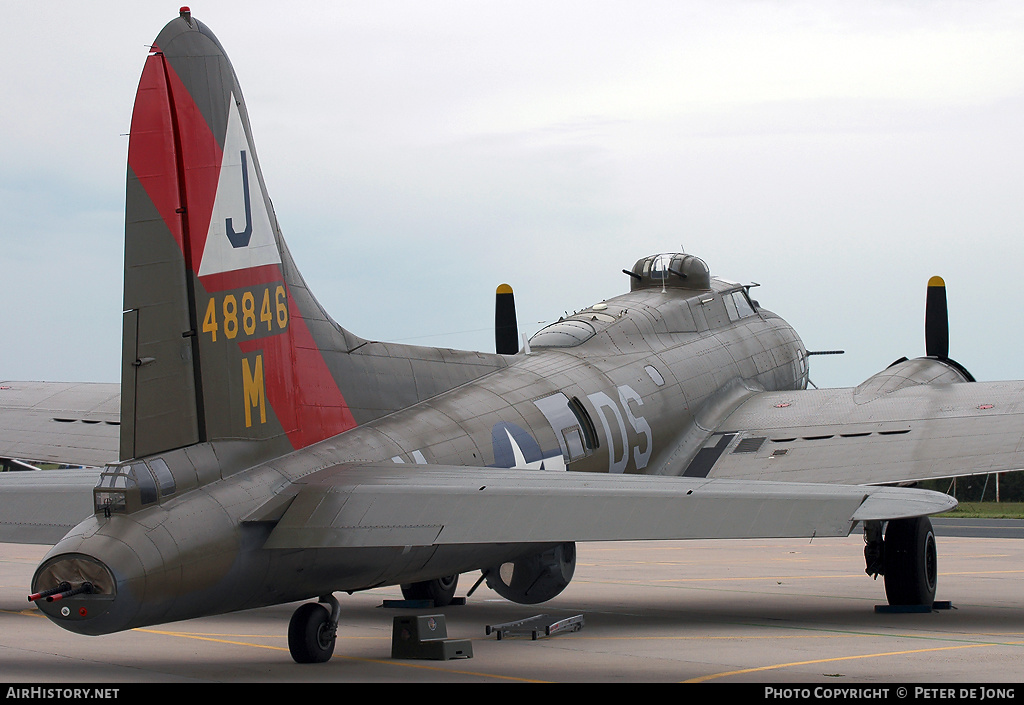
84,594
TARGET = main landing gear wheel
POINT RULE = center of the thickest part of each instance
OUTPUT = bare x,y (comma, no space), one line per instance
911,563
441,590
312,631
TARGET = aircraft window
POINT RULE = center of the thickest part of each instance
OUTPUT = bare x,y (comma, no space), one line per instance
655,376
144,479
113,479
564,334
163,476
730,307
742,304
737,305
116,481
110,502
661,266
574,442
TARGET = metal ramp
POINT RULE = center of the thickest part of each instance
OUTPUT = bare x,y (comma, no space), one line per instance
536,627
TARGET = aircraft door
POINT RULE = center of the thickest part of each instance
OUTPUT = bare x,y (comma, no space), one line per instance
575,441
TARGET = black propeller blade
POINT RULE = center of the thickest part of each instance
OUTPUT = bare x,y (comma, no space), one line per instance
936,320
936,326
506,329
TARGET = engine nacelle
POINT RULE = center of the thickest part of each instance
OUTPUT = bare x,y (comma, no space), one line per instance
533,579
908,373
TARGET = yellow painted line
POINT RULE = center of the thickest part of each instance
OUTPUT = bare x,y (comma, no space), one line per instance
738,637
185,635
27,612
777,666
219,639
215,640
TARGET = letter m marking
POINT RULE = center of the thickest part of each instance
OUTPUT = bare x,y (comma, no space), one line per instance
253,394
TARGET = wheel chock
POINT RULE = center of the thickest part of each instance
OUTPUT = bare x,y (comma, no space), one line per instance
902,609
426,637
910,609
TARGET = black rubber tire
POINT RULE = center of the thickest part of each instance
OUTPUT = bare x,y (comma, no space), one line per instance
911,562
441,590
311,638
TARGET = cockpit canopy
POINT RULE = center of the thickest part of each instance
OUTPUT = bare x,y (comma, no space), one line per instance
673,270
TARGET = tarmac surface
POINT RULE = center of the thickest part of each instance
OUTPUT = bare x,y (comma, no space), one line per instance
755,611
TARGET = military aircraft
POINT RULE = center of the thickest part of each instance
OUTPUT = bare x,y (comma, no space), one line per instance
269,455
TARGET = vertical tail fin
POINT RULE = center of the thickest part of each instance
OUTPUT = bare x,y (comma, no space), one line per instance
218,324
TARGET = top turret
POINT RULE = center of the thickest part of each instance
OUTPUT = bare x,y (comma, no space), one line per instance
673,270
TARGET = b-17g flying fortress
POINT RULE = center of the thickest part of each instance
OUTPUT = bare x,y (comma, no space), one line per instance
257,452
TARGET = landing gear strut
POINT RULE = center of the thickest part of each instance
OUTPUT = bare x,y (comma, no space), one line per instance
313,630
441,590
906,558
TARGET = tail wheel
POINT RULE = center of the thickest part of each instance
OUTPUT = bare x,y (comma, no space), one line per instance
441,590
311,636
911,562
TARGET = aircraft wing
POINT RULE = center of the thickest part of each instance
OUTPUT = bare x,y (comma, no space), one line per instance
415,505
56,422
858,437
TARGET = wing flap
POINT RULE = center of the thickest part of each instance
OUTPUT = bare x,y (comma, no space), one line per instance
385,505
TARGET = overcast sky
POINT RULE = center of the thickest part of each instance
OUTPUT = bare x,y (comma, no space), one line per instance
420,153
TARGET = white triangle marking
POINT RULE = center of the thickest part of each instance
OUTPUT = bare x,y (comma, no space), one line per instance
261,249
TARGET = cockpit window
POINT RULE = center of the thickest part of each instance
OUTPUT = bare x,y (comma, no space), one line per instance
564,334
738,306
743,304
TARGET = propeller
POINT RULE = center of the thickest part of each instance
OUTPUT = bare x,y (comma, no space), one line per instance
936,320
506,329
936,326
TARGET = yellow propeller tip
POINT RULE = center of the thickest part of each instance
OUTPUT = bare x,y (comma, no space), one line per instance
936,281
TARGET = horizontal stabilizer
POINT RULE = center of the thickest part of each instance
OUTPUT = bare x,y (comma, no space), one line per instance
42,507
385,505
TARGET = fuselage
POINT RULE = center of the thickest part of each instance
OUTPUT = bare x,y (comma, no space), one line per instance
629,385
